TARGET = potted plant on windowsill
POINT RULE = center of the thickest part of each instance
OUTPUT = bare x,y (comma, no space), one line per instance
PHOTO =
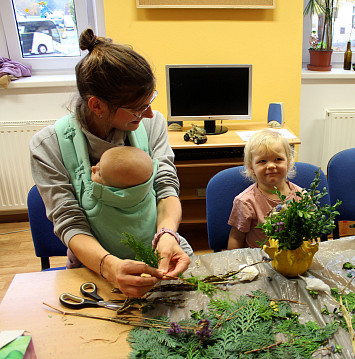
321,47
293,227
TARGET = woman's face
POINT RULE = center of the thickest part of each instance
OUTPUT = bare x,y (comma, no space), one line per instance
128,119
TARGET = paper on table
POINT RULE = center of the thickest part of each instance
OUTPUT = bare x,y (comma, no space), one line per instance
7,336
245,135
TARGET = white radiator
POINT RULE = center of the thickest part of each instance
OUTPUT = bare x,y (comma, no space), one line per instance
339,133
15,170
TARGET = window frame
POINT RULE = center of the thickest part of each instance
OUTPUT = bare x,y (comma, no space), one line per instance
337,57
89,13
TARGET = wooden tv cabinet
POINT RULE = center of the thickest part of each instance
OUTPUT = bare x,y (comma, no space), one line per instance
195,167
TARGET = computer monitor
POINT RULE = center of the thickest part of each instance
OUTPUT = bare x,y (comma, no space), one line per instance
209,93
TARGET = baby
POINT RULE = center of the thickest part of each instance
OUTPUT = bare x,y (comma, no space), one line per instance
123,167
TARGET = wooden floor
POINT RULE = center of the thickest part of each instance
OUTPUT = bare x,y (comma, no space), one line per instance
17,254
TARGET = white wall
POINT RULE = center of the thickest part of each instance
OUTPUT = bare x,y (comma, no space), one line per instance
317,95
35,103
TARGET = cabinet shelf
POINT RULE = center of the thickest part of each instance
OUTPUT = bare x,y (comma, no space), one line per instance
223,162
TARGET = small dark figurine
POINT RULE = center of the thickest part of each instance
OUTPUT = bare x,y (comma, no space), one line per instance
196,134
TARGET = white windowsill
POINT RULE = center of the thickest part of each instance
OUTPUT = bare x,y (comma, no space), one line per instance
334,74
62,80
38,81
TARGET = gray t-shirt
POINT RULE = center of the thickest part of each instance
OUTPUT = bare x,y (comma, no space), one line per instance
52,178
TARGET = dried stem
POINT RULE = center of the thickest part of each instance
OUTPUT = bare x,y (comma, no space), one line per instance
265,348
122,320
347,318
347,284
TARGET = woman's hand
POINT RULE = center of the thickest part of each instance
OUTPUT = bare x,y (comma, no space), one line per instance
174,259
126,275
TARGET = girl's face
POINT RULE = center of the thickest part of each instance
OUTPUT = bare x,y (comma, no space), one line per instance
270,167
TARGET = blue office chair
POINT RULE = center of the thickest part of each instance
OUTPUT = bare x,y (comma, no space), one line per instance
341,174
46,243
225,185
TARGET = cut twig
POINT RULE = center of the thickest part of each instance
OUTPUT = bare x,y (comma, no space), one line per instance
265,348
122,320
347,318
347,284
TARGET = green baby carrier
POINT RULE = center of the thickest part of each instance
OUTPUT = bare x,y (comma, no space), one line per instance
110,211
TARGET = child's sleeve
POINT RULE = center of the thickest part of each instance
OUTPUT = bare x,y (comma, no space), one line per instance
241,215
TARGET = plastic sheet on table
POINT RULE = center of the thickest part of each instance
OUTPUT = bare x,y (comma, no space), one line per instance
327,266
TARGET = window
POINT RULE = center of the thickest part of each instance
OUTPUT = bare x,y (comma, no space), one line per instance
45,34
343,30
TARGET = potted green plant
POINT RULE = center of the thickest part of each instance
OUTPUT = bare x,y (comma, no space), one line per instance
293,228
321,47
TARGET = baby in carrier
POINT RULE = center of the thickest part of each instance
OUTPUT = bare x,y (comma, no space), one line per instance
123,167
120,167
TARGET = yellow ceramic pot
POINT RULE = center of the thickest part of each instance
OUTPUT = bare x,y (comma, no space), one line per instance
292,262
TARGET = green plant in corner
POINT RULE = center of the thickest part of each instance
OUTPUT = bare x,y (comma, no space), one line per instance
326,10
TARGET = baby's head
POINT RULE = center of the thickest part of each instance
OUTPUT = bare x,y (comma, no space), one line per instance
262,142
123,167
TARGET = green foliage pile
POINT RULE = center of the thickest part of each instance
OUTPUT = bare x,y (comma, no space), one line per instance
349,303
249,327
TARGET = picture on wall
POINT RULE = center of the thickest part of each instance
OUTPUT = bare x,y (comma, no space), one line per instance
221,4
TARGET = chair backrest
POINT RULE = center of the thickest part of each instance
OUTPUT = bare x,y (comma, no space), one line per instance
305,173
341,174
46,243
220,192
225,185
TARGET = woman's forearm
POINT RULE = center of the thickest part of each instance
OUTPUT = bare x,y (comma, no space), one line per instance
169,213
88,250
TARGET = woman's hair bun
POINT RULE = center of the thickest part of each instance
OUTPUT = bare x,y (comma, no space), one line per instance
87,40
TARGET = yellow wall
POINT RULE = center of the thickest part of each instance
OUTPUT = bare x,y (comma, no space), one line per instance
270,40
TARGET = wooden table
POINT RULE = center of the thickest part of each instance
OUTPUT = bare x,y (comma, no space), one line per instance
58,336
228,139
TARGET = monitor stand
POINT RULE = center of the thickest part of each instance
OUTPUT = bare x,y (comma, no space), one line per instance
213,129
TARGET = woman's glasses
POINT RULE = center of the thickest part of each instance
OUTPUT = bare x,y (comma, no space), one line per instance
143,109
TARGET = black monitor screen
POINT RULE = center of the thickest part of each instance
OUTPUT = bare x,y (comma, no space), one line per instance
209,91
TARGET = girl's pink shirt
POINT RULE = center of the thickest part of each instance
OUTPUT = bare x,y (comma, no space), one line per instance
250,208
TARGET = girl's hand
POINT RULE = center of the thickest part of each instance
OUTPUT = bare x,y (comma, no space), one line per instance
174,259
126,276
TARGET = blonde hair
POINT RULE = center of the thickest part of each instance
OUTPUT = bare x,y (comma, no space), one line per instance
265,139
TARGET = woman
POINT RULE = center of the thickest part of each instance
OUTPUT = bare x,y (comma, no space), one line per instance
116,88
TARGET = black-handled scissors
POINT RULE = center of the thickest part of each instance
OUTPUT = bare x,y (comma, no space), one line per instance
88,289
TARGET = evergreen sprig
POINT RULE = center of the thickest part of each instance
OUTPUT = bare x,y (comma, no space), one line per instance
349,303
144,253
245,328
293,222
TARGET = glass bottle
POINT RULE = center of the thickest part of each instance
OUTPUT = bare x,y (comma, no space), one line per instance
347,57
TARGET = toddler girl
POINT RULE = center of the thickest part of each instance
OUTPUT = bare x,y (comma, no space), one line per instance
268,161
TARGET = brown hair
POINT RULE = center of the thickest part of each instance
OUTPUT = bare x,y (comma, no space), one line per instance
114,73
